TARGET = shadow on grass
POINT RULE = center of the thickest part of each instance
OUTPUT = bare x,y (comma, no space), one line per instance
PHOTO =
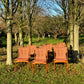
62,37
81,41
4,60
26,42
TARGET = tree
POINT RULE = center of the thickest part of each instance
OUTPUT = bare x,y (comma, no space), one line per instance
8,8
20,20
15,31
76,18
30,10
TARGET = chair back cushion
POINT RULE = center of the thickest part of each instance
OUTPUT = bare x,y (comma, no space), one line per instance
41,54
61,44
31,48
60,52
23,52
49,47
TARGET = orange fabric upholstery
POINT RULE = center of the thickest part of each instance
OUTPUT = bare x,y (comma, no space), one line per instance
41,57
49,47
60,55
61,44
31,48
41,54
23,55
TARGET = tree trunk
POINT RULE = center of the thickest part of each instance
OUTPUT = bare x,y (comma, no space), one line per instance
9,43
76,42
26,35
68,39
55,36
38,36
71,36
20,37
43,35
30,35
16,38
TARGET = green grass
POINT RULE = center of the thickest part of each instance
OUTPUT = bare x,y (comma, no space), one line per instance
23,76
60,76
44,41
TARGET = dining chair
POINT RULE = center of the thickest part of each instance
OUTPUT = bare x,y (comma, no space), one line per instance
40,58
23,56
60,56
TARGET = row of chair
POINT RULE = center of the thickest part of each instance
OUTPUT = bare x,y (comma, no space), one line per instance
41,55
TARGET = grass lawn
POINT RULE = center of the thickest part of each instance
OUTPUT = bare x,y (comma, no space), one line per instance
45,41
23,76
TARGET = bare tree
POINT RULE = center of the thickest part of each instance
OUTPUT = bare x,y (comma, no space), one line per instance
8,8
30,10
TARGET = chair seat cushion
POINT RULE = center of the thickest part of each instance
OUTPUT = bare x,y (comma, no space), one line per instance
21,59
39,61
60,59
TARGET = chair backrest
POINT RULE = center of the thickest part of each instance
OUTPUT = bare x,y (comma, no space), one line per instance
41,46
20,54
60,52
61,44
23,52
31,48
41,53
54,46
49,47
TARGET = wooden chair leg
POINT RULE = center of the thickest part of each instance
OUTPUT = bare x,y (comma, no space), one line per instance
49,64
67,66
28,65
24,63
32,69
35,67
15,66
54,66
46,68
18,64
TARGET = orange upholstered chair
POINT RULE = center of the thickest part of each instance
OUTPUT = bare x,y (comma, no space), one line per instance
49,51
61,44
32,49
48,47
40,58
23,56
60,56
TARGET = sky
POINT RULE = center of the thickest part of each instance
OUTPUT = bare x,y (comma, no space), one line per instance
1,5
50,6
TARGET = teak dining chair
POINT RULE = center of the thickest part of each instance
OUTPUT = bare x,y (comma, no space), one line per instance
23,56
60,56
40,58
48,47
61,44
